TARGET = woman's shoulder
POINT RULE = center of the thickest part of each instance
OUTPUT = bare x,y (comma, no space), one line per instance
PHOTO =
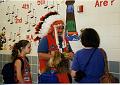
86,51
17,63
79,51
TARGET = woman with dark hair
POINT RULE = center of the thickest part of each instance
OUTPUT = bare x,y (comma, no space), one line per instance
89,59
21,65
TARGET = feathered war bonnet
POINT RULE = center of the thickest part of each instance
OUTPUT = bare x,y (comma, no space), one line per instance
46,23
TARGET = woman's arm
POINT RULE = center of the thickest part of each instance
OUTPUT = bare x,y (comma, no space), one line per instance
18,65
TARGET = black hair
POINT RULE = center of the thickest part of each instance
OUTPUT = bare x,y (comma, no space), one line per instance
18,47
90,38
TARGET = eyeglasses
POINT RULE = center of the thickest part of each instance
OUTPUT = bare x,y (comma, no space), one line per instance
60,27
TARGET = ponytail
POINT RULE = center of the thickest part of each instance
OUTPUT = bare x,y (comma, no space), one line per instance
17,48
15,51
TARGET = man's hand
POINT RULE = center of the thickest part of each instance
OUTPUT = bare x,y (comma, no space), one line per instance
68,55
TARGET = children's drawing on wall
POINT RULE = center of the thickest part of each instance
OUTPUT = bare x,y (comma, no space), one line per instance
21,19
2,38
70,30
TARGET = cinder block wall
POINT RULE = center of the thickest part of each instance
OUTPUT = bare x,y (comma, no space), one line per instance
5,58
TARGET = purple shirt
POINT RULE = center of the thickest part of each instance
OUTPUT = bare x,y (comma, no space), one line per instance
94,69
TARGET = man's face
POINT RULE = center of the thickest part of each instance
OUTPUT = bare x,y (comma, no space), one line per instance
58,26
60,29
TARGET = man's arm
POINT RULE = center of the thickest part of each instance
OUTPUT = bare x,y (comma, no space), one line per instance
46,56
43,52
43,49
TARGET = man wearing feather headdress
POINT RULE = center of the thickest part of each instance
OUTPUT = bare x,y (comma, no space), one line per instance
53,39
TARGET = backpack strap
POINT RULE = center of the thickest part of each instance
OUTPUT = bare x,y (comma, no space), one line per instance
89,59
106,69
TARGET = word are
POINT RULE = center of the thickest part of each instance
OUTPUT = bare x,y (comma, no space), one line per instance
101,3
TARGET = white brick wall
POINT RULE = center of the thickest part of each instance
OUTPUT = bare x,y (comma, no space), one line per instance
106,20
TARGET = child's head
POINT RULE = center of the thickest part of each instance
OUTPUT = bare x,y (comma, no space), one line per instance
53,62
21,46
90,38
59,62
